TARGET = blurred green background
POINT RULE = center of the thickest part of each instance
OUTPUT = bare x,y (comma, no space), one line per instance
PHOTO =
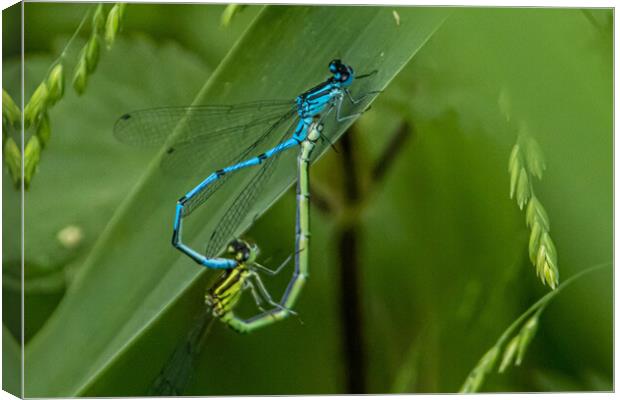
442,250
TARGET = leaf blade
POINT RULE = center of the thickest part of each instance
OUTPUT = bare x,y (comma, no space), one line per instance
136,282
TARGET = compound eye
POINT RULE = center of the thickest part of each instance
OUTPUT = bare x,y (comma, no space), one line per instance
344,77
334,65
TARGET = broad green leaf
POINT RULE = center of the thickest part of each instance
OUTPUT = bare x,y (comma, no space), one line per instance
133,273
84,173
104,173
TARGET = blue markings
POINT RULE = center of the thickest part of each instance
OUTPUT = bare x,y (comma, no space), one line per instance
179,209
230,135
214,176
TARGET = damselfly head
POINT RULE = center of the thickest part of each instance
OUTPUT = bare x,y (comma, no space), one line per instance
341,72
242,251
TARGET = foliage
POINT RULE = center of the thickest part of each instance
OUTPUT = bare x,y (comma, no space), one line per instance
515,350
527,161
440,244
50,90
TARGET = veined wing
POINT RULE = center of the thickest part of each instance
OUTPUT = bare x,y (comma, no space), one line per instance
242,203
177,372
205,137
269,138
151,127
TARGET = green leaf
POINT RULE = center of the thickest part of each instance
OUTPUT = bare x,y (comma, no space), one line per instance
84,172
133,273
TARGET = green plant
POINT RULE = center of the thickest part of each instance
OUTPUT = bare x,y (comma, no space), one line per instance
437,245
51,90
514,351
527,161
366,36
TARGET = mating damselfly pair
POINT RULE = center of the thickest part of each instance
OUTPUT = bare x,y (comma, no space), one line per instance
224,294
241,136
235,138
262,131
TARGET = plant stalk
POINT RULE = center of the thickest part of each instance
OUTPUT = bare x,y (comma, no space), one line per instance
350,277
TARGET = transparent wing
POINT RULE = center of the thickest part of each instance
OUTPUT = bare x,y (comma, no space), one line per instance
236,213
206,137
151,127
280,129
177,372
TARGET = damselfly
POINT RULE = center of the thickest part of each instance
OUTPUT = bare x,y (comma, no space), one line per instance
240,136
221,299
223,296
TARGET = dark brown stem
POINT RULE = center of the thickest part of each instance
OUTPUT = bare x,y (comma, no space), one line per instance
350,279
349,239
394,147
